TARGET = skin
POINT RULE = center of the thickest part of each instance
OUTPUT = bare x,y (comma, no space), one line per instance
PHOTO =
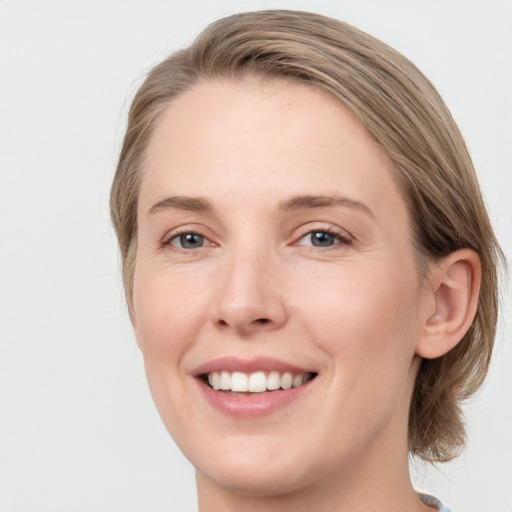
357,312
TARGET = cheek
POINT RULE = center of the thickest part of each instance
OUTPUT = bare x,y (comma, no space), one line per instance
168,314
366,325
366,319
168,317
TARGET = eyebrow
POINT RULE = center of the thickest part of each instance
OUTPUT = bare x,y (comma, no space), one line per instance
296,203
304,202
191,204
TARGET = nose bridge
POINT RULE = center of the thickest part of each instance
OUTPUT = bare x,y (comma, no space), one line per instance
249,297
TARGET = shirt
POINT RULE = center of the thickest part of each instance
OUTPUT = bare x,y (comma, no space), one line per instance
431,500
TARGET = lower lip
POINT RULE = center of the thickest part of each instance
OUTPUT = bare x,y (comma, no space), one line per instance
242,405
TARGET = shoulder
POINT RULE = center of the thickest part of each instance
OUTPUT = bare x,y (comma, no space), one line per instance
431,500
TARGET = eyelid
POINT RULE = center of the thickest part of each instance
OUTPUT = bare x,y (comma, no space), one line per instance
184,230
312,227
338,241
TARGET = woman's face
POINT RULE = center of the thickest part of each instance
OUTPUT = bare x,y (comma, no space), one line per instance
274,250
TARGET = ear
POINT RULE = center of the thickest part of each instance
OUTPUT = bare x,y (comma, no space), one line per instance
455,281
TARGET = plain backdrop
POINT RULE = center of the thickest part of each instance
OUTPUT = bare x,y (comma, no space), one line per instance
78,429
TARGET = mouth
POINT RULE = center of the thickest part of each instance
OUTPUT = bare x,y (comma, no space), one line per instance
255,383
251,388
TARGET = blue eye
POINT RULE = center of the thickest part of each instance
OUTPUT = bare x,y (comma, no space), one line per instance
320,239
188,241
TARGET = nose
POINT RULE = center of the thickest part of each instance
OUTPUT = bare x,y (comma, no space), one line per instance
250,299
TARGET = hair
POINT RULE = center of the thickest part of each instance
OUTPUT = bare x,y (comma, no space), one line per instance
405,115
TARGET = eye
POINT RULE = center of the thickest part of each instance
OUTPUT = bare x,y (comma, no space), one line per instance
188,241
322,239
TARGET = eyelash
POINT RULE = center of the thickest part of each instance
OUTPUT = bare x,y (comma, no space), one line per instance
173,235
341,239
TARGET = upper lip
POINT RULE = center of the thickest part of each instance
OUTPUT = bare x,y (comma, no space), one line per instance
237,364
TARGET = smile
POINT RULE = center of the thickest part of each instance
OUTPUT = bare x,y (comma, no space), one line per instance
251,388
256,382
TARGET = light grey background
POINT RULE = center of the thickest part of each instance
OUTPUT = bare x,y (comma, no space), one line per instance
78,430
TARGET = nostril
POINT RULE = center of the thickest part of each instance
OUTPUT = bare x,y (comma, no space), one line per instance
244,323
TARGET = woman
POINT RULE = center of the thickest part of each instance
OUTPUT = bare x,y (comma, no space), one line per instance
308,264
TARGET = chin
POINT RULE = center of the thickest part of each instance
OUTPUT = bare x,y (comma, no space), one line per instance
255,479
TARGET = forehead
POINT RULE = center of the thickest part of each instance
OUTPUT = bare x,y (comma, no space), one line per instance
266,135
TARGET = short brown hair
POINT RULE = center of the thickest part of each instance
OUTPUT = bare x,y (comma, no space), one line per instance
403,112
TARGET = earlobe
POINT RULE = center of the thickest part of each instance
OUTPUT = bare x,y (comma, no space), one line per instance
456,285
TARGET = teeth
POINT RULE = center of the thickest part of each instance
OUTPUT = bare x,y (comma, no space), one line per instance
225,381
214,380
297,380
239,382
273,381
257,382
286,380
